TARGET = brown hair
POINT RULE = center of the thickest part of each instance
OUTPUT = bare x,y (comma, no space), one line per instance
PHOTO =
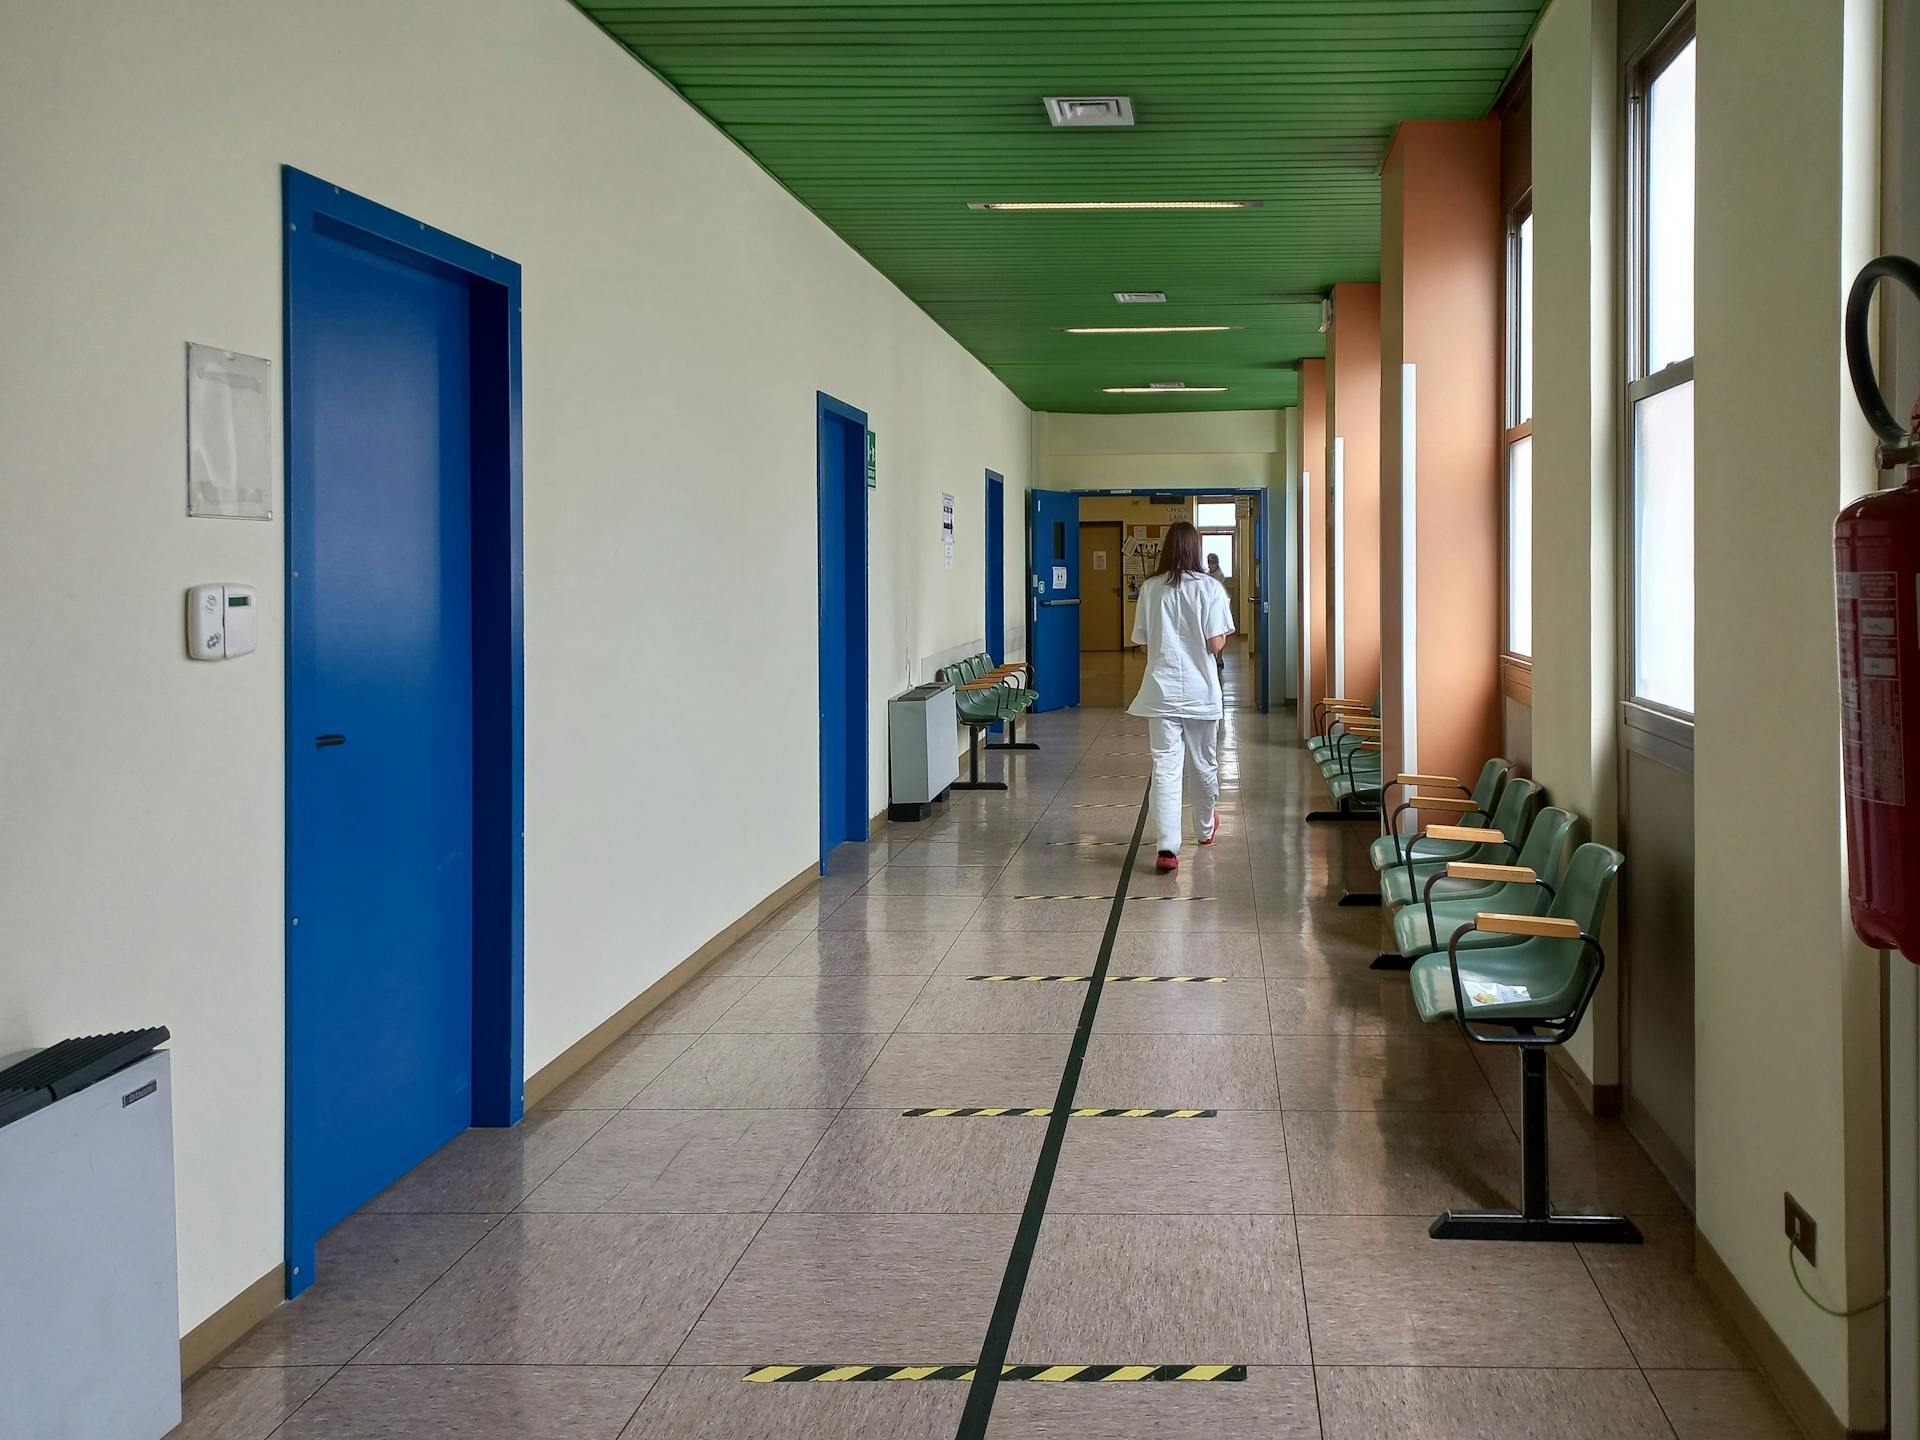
1180,553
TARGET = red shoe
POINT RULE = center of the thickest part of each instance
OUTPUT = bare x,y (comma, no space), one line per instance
1214,831
1166,862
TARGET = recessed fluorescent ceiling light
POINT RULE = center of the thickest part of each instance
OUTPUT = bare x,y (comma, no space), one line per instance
1147,329
1164,387
1115,204
1141,297
1090,109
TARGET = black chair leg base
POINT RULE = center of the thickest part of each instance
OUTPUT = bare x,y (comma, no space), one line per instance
1321,817
1011,745
1512,1225
1360,897
1386,961
978,785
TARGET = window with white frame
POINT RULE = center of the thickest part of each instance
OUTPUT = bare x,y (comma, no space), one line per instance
1519,433
1660,373
1216,521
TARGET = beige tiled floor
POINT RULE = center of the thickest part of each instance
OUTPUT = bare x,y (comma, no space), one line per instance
733,1183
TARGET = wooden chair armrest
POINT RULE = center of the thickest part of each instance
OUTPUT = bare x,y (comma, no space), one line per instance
1333,702
1501,874
1441,802
1548,926
1472,833
1369,745
979,685
1425,780
1367,724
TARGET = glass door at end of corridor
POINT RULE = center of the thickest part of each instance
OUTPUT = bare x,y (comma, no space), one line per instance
1053,597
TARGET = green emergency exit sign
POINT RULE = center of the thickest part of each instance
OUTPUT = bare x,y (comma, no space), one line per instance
873,464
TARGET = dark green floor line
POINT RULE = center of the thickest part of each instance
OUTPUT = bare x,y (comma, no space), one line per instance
1013,1283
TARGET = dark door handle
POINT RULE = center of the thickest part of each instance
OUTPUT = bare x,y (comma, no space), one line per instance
321,742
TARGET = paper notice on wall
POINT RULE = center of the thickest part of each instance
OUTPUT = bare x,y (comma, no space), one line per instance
229,435
946,527
1059,577
1140,532
1485,992
1134,565
1099,559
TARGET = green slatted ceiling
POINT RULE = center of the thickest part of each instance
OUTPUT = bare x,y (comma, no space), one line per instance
886,117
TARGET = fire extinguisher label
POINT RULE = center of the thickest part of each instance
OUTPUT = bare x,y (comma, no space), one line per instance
1872,752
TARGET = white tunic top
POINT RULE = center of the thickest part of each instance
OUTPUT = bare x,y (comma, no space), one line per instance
1175,622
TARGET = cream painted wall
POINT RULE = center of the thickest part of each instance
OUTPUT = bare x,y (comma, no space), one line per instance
680,312
1787,1003
1575,372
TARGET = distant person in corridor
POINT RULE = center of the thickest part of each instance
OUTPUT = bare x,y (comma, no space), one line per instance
1220,657
1183,619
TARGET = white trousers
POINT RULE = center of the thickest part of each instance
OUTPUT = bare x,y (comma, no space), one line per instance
1178,744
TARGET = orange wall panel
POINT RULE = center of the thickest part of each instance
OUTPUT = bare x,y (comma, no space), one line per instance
1353,418
1313,536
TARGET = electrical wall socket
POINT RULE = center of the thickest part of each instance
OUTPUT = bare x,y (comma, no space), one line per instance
1801,1230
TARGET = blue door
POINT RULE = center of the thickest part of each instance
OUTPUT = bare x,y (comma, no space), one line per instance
1053,583
996,547
842,461
380,797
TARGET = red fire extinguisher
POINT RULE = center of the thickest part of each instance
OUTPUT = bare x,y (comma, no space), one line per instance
1876,560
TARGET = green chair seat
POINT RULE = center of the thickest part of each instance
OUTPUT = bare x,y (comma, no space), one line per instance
1485,795
1456,902
1402,884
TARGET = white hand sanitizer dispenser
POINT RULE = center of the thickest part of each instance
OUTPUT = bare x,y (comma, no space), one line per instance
220,623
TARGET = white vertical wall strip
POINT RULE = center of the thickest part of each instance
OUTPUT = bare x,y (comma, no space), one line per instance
1337,609
1307,697
1409,581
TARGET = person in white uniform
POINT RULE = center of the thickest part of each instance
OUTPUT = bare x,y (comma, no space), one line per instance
1183,619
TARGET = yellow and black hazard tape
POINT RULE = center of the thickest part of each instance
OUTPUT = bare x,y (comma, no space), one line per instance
1055,1374
1056,844
1107,805
1112,979
1163,899
1063,897
1085,1112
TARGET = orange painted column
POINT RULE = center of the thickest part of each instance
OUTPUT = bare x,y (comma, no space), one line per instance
1353,464
1314,541
1442,255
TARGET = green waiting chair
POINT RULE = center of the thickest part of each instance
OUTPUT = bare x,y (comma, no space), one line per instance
983,701
1474,807
1456,894
1531,994
1496,844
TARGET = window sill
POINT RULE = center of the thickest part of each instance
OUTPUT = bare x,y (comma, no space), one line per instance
1516,678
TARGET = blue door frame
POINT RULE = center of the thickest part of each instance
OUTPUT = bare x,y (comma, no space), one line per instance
1053,597
1263,558
323,223
841,441
996,551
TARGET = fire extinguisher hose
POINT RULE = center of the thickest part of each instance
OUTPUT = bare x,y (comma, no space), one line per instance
1866,387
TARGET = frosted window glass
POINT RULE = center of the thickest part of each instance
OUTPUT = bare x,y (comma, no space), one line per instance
1523,325
1221,545
1214,515
1663,548
1669,296
1520,546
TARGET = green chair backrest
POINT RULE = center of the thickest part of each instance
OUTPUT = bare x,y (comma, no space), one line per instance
1586,886
1512,817
1543,853
1486,790
972,666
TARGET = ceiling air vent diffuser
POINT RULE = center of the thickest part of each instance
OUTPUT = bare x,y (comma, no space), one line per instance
1090,109
1141,297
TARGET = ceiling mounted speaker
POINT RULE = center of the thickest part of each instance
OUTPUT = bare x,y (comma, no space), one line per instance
1090,109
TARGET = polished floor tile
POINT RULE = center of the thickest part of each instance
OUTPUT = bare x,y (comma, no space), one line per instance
244,1404
1381,1162
1274,1402
1362,1003
1082,912
1379,1072
488,1172
1163,1289
948,1070
952,853
1432,1403
810,909
845,1289
711,1402
758,954
933,880
954,1005
571,1290
1721,1405
1599,1166
695,1006
763,1072
1168,1072
879,1162
827,1004
684,1162
622,1071
1232,1163
370,1268
1381,1291
1233,1007
867,952
977,952
1659,1303
903,912
1231,952
488,1402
